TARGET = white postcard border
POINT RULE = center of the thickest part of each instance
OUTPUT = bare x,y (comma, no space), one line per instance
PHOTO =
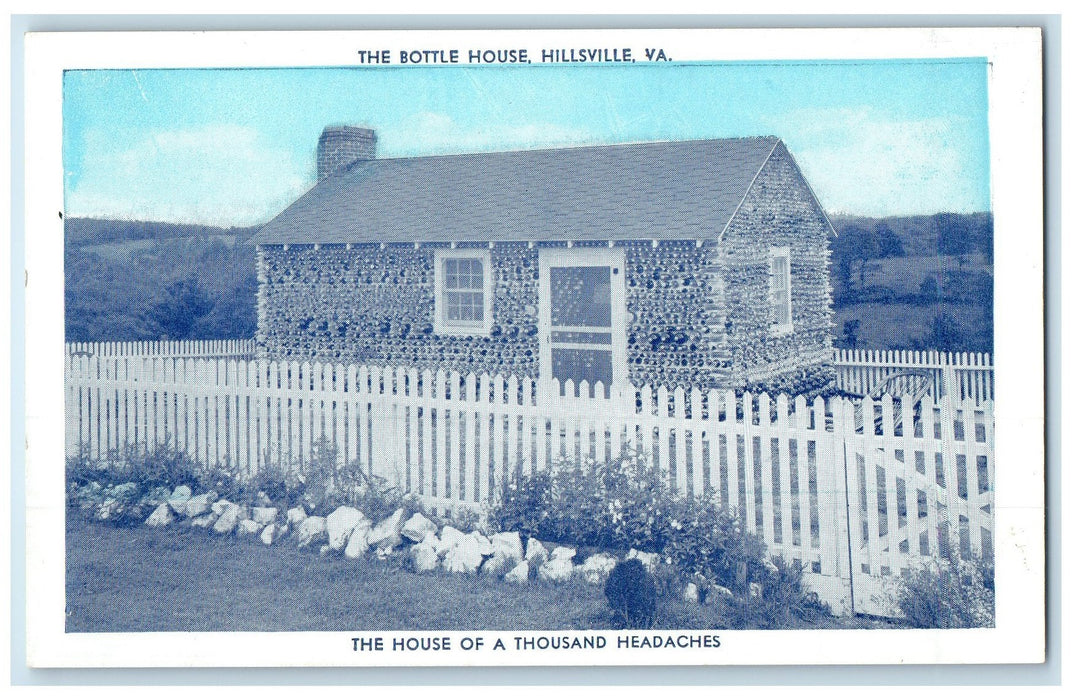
1016,168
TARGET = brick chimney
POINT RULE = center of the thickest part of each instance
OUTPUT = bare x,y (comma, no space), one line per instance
340,146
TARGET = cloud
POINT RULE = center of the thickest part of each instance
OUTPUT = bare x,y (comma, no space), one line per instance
432,133
861,161
219,174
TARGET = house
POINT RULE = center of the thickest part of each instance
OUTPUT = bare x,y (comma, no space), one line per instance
691,263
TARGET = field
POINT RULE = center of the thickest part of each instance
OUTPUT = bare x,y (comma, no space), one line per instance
887,326
184,579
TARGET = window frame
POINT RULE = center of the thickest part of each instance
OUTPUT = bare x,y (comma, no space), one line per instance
776,253
440,324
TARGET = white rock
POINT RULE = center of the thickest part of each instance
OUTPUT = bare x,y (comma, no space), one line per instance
178,499
485,544
184,492
534,550
555,571
324,549
249,528
271,533
464,557
265,516
387,532
161,517
507,544
597,567
691,593
423,557
221,505
357,543
107,508
199,505
263,501
518,574
563,553
497,564
722,591
755,590
295,515
311,531
418,527
648,559
229,519
449,537
340,524
204,520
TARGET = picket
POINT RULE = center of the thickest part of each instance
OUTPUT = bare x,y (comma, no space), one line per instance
819,481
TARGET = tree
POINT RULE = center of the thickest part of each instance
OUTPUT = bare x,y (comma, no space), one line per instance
954,234
176,315
887,242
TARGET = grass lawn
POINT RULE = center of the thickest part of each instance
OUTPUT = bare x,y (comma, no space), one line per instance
186,579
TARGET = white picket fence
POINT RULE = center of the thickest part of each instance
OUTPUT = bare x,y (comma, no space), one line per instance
852,498
244,348
966,376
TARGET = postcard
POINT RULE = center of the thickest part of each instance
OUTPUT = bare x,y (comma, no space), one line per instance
525,348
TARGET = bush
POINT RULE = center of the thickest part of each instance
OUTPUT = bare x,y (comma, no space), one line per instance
784,601
165,465
524,505
625,503
618,504
631,594
710,546
948,593
83,469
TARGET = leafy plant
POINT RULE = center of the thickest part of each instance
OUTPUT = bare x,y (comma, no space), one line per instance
625,503
83,469
948,593
710,546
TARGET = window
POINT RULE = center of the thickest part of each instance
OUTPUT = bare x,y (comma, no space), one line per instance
463,280
781,299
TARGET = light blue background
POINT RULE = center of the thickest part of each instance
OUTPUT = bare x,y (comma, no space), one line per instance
234,147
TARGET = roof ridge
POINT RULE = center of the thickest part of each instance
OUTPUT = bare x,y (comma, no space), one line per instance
579,147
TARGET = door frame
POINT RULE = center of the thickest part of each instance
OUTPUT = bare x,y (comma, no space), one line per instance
585,257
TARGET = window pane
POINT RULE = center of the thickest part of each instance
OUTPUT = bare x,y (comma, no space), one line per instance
580,296
463,273
464,306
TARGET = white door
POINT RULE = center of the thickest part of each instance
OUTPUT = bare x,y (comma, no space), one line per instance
582,318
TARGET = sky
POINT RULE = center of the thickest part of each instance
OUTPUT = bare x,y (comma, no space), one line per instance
235,147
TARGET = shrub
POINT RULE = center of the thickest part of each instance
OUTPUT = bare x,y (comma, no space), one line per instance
83,469
710,546
524,505
275,481
948,593
784,601
625,503
631,594
618,504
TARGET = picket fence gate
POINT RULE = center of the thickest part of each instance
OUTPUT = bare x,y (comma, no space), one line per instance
965,376
853,491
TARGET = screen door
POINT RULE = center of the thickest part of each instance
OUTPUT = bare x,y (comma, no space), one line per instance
582,318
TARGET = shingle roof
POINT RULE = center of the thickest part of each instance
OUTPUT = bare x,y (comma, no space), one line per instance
663,190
